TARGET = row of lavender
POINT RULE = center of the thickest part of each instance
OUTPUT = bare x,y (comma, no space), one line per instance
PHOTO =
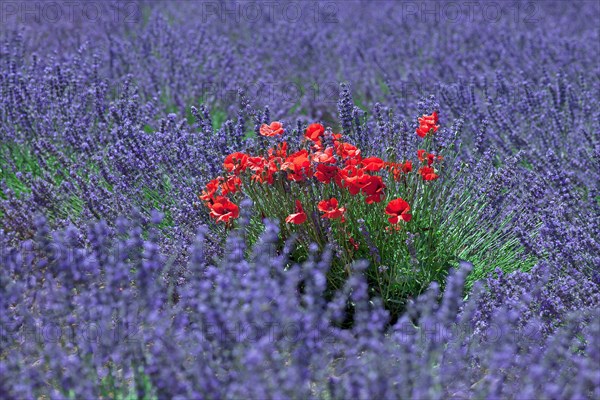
75,327
96,120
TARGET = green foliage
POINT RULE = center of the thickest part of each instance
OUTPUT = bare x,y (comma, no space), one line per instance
19,158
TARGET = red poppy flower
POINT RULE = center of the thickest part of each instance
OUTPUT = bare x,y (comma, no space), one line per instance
223,210
299,217
271,130
373,164
430,119
353,243
326,173
299,158
354,179
407,166
314,132
266,172
256,164
325,156
231,185
298,166
211,189
235,162
398,209
330,209
428,173
352,161
373,189
430,157
347,150
427,124
264,176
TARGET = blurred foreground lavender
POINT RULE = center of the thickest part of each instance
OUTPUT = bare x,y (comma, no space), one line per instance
96,318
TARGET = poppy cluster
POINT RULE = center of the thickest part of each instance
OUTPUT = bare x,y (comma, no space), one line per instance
324,158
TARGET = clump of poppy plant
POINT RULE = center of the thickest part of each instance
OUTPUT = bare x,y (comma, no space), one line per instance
329,193
402,215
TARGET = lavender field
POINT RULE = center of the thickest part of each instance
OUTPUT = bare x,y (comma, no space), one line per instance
298,199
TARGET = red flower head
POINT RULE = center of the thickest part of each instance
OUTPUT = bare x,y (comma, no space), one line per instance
354,179
326,173
353,243
427,124
430,157
223,210
373,189
398,209
347,150
407,167
271,130
428,173
299,217
263,169
208,194
330,209
314,132
325,156
231,185
429,119
298,166
373,164
235,162
256,164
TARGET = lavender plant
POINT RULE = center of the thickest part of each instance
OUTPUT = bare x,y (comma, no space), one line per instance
89,313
